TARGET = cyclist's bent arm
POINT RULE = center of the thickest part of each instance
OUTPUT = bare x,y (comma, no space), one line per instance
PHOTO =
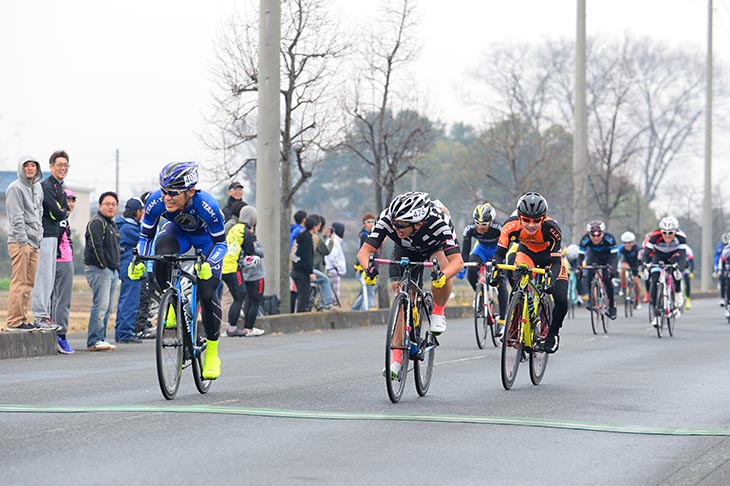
454,265
363,255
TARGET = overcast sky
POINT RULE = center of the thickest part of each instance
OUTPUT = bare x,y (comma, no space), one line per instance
93,76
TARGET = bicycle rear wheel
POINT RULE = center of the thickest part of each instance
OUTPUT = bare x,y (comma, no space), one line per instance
538,357
423,362
395,340
595,307
480,315
201,383
169,345
512,345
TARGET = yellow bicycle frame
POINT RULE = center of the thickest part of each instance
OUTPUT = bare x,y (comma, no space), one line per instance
525,321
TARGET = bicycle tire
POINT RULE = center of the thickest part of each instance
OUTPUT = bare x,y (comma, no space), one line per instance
595,307
604,320
538,357
670,317
169,346
201,383
396,386
512,344
631,295
492,321
480,322
659,319
423,362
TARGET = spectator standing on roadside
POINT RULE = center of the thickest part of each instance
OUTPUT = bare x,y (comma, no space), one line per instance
101,266
368,220
303,263
55,210
297,227
235,193
322,241
129,227
240,244
254,272
63,284
24,203
335,262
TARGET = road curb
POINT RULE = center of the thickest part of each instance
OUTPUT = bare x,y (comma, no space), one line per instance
27,344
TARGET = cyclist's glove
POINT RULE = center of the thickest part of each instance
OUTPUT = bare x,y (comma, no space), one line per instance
496,278
204,271
461,274
135,271
438,280
357,267
370,275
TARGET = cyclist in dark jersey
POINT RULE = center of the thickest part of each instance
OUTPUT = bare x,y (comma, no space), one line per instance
599,248
193,218
486,230
628,257
539,238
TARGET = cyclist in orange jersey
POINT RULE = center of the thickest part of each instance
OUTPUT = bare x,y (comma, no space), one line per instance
539,238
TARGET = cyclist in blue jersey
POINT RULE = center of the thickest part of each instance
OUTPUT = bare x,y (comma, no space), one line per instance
599,248
193,218
724,240
486,230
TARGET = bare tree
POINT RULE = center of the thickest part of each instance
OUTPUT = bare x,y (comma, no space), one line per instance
388,139
311,49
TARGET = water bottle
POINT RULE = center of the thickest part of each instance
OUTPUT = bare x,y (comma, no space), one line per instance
414,349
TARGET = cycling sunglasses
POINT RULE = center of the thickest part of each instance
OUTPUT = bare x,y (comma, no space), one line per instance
530,220
170,192
668,232
401,226
482,224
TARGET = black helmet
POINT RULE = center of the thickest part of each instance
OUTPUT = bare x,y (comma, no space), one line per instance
596,227
532,205
484,213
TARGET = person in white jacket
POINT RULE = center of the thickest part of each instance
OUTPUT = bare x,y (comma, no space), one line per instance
335,262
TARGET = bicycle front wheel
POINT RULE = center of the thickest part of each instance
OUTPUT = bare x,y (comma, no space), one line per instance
169,344
671,316
512,345
201,383
423,362
480,315
659,319
538,357
395,340
595,307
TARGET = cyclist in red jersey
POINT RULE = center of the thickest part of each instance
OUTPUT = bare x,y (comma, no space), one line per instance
539,238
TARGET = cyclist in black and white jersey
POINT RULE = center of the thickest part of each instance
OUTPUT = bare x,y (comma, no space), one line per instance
668,244
421,231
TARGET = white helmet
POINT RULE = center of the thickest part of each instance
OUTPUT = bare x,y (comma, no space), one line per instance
725,238
410,207
572,252
250,262
628,237
669,223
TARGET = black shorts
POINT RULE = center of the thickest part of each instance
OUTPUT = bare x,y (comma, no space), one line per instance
396,271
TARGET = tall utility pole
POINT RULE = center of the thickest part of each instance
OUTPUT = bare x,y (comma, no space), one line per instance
707,256
116,184
580,130
268,178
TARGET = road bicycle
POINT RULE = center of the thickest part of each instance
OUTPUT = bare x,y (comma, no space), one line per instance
597,299
180,340
485,297
664,311
628,288
529,313
408,332
726,275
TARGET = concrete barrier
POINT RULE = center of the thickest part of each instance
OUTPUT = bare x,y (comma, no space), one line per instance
27,344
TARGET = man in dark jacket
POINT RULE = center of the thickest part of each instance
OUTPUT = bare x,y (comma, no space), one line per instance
303,264
55,211
129,229
235,193
101,266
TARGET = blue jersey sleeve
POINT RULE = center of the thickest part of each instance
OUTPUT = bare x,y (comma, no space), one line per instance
212,215
152,212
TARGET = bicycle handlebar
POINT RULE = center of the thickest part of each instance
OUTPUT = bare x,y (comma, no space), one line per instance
521,268
169,258
475,264
404,262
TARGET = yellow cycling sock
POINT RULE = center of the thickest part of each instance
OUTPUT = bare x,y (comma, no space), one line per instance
212,365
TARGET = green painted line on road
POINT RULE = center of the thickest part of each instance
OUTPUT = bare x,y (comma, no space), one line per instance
322,415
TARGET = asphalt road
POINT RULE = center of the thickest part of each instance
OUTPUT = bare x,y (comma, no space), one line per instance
625,408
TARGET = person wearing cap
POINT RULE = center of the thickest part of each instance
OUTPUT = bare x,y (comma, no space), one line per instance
129,229
235,193
63,283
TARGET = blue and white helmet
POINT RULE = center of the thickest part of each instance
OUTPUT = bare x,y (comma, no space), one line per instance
179,176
